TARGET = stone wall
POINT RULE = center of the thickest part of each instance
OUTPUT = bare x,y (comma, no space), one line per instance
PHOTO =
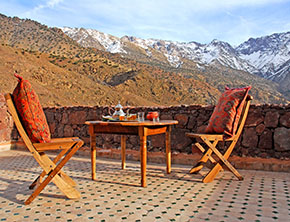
266,133
6,123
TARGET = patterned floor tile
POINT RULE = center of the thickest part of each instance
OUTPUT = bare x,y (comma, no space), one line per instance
116,194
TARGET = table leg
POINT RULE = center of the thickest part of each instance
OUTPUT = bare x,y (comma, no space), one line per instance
143,155
93,151
168,149
123,151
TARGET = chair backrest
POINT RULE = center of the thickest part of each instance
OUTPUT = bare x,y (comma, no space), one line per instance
243,118
18,124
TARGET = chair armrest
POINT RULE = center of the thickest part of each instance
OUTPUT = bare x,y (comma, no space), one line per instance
204,135
249,97
57,144
64,139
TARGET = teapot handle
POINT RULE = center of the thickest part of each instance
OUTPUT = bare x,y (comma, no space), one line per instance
110,110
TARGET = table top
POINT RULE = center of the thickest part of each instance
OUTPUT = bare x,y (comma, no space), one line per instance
133,123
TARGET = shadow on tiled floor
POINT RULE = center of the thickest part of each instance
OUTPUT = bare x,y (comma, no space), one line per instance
117,196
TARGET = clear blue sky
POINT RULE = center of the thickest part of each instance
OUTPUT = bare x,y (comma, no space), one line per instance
233,21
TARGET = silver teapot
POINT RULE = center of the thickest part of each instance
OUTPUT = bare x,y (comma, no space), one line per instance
119,113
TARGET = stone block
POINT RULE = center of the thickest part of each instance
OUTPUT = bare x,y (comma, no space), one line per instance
92,115
84,131
99,140
77,117
158,140
182,120
49,116
86,140
3,117
244,151
255,117
250,138
58,115
201,129
68,131
117,138
5,135
179,141
166,116
266,139
192,123
108,137
52,127
271,119
59,130
202,119
260,129
2,100
282,139
64,119
285,119
134,140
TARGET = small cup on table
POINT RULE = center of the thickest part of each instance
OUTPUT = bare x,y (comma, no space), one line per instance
141,116
155,119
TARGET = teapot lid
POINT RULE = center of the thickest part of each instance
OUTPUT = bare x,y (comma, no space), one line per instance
119,105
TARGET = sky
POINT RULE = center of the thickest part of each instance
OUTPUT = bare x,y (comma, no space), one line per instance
232,21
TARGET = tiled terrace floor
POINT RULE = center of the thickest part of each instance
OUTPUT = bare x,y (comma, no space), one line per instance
116,195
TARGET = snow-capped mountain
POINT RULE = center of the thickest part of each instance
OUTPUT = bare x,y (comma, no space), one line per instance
94,38
175,52
267,56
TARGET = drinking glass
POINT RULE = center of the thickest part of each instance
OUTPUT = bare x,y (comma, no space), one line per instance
140,116
156,119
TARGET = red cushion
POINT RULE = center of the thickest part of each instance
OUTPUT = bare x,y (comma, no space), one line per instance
226,114
30,112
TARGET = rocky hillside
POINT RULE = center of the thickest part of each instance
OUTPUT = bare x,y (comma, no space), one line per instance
267,56
66,73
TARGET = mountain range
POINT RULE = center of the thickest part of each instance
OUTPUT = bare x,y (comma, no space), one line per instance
268,56
92,71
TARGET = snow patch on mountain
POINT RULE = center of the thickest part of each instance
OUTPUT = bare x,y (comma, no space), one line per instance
267,56
266,53
111,43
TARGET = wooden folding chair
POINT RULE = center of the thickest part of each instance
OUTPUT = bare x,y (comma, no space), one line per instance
51,169
211,141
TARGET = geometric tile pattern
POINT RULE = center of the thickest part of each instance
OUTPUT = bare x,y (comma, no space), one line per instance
116,194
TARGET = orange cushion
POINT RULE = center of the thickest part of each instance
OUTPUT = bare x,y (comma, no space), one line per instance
30,112
226,114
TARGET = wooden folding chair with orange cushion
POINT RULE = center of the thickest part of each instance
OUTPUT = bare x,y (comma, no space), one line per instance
225,125
32,126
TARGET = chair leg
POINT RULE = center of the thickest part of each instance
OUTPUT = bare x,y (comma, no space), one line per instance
200,164
38,180
223,158
203,150
214,171
212,174
227,164
53,176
